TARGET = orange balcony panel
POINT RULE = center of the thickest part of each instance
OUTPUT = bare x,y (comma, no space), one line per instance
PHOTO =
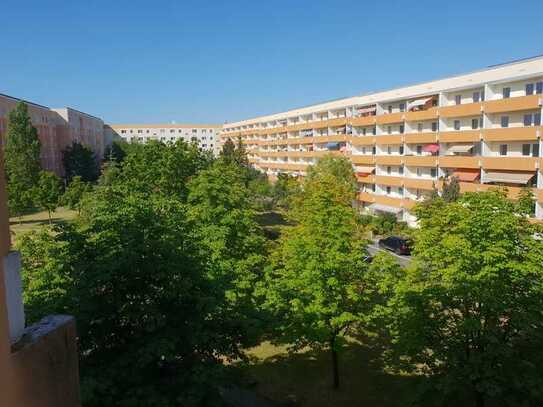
362,159
388,160
513,104
368,179
363,121
510,163
420,161
320,124
330,139
422,115
366,197
387,200
511,134
460,136
302,140
539,194
390,118
340,121
419,138
459,162
512,192
415,183
388,180
389,139
362,140
408,203
468,109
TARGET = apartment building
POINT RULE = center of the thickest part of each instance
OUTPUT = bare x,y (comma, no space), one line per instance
206,135
57,129
482,127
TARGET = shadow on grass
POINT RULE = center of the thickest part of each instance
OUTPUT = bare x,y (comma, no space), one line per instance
304,379
272,222
40,222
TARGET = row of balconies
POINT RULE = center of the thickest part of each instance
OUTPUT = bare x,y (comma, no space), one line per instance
514,104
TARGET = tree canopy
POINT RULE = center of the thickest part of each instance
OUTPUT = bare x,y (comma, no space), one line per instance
80,160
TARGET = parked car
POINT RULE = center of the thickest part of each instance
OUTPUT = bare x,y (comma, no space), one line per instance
395,244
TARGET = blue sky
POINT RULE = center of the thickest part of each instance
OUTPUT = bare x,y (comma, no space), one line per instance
217,61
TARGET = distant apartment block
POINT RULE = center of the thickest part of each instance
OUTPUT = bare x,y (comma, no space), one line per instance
482,127
205,135
57,129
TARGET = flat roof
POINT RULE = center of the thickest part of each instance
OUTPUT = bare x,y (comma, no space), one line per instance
23,100
164,126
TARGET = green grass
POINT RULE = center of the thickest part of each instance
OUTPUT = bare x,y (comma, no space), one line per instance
36,220
305,378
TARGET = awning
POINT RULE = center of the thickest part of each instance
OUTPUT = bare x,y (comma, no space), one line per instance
365,170
460,148
385,208
431,148
466,175
417,103
332,146
364,110
509,177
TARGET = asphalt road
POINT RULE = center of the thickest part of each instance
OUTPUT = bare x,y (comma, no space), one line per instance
403,260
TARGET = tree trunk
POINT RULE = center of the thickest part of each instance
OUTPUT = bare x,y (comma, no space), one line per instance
50,219
479,399
335,370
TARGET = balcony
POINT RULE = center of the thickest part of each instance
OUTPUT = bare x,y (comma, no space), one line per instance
510,163
420,138
336,138
460,136
396,139
389,180
366,179
513,104
421,115
512,134
390,118
366,197
421,161
387,200
362,140
457,161
468,109
363,121
419,183
363,159
389,159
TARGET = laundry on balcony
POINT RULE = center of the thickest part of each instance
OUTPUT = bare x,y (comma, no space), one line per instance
418,104
467,175
366,111
385,208
521,178
341,130
364,171
431,148
332,146
459,149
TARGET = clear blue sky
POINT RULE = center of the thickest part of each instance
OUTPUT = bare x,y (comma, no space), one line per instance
216,61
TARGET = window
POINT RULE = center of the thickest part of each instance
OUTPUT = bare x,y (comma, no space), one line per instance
535,150
526,149
400,170
401,149
433,172
123,131
363,150
539,88
529,89
505,121
434,126
528,119
374,130
419,150
389,150
390,109
172,130
400,190
402,107
457,124
140,131
402,128
388,190
373,150
419,172
503,149
389,170
506,92
179,130
419,127
476,97
458,99
537,119
194,131
474,124
389,129
364,131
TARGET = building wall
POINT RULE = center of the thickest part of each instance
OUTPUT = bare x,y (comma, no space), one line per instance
381,130
207,136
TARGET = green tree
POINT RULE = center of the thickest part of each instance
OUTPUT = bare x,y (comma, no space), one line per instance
74,193
525,204
48,192
21,159
315,282
286,187
451,190
236,154
115,152
80,160
468,312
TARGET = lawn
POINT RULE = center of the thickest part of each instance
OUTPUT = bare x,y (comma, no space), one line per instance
37,219
304,378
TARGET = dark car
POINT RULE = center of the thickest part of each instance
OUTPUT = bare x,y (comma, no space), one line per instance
395,244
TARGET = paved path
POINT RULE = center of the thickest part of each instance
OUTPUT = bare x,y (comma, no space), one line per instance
373,248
